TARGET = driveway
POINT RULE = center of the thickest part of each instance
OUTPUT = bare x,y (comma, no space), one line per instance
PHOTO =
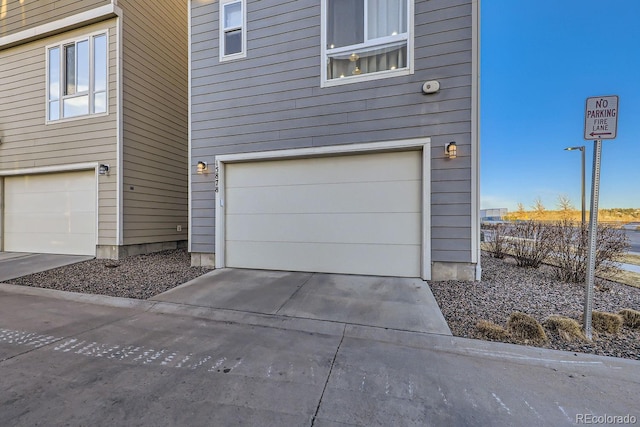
18,264
386,302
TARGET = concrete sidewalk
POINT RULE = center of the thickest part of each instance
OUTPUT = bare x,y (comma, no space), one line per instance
18,264
79,360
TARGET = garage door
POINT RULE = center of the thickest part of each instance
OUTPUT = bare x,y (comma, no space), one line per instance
357,214
51,213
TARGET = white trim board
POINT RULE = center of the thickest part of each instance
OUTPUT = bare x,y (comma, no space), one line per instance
423,144
189,132
475,140
74,21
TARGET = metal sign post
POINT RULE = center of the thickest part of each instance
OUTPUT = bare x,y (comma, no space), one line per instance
600,122
593,231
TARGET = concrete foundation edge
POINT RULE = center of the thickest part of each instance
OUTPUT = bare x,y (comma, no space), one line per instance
200,259
118,252
441,271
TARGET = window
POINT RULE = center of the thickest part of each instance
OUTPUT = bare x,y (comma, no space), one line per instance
77,78
233,34
366,39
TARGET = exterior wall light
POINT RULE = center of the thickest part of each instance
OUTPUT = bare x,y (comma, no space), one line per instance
451,150
103,169
202,167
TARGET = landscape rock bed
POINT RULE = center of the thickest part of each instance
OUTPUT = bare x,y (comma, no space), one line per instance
139,276
506,288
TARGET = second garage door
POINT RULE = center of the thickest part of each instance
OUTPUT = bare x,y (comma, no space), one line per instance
356,214
51,213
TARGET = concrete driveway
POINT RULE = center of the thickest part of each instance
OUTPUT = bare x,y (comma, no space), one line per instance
387,302
18,264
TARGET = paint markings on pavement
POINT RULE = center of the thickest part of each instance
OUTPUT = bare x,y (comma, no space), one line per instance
505,407
147,356
133,354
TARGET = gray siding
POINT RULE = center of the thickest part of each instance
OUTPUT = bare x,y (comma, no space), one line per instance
17,15
155,104
27,142
273,100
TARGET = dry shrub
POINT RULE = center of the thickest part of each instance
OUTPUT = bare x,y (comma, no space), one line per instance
524,327
532,243
570,252
495,239
630,317
568,329
606,322
491,331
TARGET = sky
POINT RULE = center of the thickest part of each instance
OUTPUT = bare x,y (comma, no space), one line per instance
539,62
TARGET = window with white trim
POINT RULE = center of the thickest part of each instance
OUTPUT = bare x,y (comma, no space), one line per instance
77,78
366,39
233,29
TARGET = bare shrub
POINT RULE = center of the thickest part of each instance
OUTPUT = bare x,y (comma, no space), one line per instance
525,328
570,250
631,317
495,239
606,322
491,331
568,329
531,243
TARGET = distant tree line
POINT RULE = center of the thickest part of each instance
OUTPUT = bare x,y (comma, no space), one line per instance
566,210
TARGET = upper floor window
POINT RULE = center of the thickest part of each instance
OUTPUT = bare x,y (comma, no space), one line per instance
233,29
366,39
77,78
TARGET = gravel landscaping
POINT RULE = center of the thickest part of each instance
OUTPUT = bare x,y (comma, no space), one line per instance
507,288
140,276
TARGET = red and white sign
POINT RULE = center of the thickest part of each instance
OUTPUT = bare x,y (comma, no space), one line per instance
601,117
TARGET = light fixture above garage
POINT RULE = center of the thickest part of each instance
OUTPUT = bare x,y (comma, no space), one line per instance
451,150
202,167
103,169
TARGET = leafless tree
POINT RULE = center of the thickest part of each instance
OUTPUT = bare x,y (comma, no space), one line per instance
565,206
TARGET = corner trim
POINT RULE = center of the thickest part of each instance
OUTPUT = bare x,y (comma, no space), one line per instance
189,131
74,21
119,131
475,139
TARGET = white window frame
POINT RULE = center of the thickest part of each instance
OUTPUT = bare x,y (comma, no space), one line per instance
409,69
91,90
223,30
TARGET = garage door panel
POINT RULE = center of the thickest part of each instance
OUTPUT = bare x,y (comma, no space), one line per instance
379,260
326,228
56,243
54,202
396,196
51,213
77,222
65,181
342,169
358,214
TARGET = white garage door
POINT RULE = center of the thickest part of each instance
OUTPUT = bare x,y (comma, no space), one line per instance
51,213
358,214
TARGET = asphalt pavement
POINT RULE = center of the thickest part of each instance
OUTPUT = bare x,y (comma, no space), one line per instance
73,359
634,240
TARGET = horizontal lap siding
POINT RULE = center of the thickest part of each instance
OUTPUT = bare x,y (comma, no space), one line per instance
155,189
16,15
27,142
273,100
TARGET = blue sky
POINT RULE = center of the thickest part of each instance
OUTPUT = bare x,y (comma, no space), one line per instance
539,62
